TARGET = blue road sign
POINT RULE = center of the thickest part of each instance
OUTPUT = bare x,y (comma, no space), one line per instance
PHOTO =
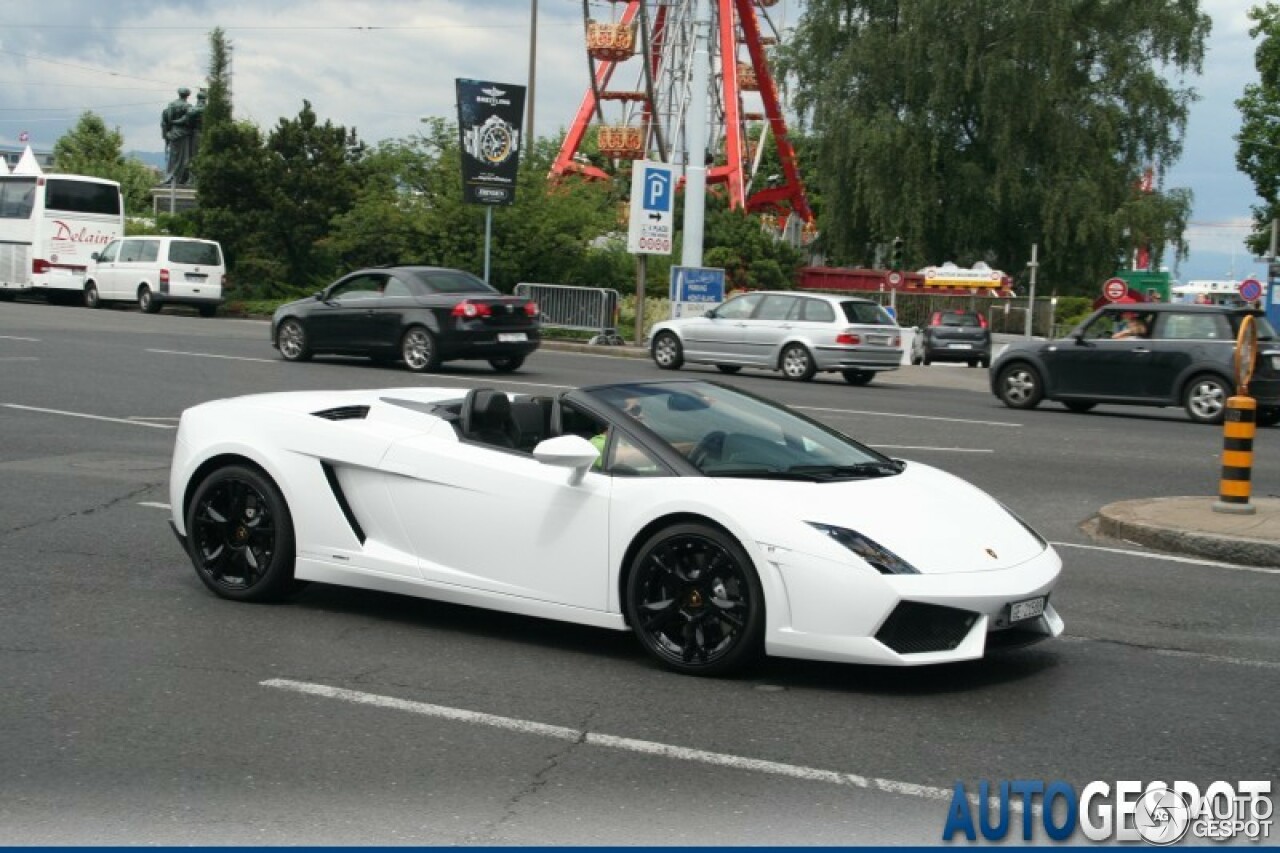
697,284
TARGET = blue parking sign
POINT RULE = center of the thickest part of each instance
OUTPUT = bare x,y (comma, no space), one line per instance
697,284
657,189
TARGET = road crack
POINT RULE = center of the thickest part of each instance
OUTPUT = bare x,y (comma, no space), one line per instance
102,507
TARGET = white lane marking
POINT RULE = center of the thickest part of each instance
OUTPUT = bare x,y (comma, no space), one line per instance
900,415
644,747
215,355
946,449
150,418
153,504
16,338
1179,653
89,417
1172,558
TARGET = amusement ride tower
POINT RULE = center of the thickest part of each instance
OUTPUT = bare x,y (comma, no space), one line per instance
642,73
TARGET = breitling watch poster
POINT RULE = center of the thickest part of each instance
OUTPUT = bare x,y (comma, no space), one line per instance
489,116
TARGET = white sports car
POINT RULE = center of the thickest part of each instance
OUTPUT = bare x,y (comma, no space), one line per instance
714,524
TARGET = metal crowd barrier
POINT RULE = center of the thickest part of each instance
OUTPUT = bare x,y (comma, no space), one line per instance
588,309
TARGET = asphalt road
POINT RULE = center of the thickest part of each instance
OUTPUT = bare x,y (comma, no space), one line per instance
135,707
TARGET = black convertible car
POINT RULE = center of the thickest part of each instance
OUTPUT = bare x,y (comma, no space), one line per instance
416,314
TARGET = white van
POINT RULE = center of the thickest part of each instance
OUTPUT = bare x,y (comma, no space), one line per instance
157,271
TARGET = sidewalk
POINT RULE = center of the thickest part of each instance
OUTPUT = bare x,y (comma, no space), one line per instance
1188,525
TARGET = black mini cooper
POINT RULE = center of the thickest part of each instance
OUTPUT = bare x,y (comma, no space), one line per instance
415,314
1179,355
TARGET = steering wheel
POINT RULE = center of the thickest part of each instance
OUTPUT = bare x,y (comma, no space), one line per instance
710,446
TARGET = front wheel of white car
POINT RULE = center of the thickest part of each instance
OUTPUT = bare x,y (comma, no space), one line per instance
667,352
240,535
694,601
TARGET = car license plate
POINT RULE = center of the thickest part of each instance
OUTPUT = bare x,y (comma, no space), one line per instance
959,346
512,337
1021,611
195,276
878,339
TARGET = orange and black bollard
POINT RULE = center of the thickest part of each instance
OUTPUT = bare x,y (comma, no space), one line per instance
1238,430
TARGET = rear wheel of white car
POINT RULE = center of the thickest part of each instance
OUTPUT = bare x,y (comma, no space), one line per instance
146,301
418,349
292,341
695,602
858,377
667,352
1019,387
1205,399
240,535
91,297
797,363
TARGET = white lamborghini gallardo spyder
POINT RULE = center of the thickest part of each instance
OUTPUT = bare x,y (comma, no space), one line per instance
715,524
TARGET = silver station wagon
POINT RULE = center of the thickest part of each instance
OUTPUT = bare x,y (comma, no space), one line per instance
797,333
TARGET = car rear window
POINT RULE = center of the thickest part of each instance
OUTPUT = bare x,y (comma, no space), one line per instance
958,318
867,313
194,252
452,281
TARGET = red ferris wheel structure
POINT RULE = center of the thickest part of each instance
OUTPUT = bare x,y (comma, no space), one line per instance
641,64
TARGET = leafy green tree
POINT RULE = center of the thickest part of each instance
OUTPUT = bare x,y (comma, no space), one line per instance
90,148
974,129
1258,143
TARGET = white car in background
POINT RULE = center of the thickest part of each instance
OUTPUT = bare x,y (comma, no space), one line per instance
157,271
800,334
714,524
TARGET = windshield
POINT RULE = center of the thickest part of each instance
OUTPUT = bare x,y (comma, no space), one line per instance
725,432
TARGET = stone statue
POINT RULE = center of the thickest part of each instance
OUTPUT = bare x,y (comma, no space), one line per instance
177,128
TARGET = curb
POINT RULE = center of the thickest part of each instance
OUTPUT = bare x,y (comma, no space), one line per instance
1131,520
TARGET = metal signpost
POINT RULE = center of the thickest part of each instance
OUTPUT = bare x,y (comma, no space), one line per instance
651,230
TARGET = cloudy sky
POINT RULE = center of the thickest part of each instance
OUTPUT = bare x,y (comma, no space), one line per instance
379,65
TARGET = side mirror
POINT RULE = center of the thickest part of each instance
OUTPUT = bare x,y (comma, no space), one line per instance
567,451
94,256
319,296
710,314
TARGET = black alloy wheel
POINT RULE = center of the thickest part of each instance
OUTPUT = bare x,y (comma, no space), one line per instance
240,535
695,602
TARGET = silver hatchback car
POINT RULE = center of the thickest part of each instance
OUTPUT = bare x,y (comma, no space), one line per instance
797,333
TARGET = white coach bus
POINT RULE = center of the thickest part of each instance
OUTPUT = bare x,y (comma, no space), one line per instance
50,226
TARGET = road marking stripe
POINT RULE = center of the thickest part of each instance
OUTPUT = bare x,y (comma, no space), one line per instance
153,504
215,355
643,747
900,415
947,449
151,418
16,338
1173,558
18,358
89,417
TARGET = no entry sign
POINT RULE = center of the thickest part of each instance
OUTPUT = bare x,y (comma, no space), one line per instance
1115,289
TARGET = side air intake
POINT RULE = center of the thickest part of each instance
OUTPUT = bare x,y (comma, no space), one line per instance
344,413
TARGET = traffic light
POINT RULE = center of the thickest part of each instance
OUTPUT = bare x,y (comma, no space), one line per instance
895,256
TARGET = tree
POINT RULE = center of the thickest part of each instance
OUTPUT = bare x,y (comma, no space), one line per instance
1258,151
91,149
974,129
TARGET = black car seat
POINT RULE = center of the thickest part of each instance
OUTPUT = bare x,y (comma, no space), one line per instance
529,420
485,416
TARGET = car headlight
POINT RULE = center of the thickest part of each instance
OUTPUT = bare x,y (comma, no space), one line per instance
876,555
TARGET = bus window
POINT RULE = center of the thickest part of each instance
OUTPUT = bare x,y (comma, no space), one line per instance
82,197
17,198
